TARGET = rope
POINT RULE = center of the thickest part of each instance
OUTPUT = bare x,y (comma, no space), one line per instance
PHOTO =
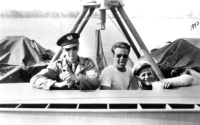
80,23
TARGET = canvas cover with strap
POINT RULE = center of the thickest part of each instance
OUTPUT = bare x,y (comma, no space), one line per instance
174,58
24,52
100,57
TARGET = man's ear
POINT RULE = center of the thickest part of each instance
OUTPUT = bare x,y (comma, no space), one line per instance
63,50
138,78
78,47
140,84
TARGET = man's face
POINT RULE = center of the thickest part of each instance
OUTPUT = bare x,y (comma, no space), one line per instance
71,53
120,57
146,76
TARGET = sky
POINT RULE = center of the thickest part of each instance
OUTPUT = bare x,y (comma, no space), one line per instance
134,7
40,4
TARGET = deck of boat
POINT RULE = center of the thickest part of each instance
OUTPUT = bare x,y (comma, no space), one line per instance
27,105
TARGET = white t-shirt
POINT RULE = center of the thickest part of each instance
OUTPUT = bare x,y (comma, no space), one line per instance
111,77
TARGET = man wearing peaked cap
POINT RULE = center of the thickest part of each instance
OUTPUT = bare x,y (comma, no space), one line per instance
148,80
69,72
69,40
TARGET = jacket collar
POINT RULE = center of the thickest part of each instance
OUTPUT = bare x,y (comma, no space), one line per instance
80,67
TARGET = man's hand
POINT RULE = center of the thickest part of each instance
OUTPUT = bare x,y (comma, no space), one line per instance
71,77
68,76
166,83
63,76
64,84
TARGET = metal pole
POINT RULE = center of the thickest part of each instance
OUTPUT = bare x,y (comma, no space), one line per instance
78,21
103,18
86,20
125,31
141,43
80,18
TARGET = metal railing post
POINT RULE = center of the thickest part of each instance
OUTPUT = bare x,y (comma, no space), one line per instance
86,20
141,43
124,31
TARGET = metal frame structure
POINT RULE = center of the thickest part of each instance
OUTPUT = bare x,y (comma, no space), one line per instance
114,6
22,104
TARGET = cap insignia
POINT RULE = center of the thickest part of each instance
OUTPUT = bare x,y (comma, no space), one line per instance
70,37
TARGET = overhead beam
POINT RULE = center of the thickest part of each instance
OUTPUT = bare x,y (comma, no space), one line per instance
115,14
86,19
141,43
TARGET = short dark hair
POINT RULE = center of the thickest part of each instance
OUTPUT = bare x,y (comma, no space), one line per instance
120,45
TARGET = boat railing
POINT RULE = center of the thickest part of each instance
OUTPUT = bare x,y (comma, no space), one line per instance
104,107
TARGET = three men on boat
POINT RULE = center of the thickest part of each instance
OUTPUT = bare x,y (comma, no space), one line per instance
78,73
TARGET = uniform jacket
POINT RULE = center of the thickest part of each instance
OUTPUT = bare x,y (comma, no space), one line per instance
86,70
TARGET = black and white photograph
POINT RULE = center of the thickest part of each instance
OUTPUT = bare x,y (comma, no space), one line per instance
100,62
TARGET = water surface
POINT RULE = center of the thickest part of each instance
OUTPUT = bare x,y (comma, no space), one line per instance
154,32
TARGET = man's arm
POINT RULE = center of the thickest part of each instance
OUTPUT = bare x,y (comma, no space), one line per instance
105,88
183,80
105,79
63,85
89,80
45,79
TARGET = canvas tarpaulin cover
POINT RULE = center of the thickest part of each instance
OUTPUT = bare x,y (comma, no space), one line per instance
177,56
24,52
100,58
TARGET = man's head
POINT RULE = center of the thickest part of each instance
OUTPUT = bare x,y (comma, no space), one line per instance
144,73
70,45
120,52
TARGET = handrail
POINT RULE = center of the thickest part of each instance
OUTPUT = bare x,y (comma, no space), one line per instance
120,107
